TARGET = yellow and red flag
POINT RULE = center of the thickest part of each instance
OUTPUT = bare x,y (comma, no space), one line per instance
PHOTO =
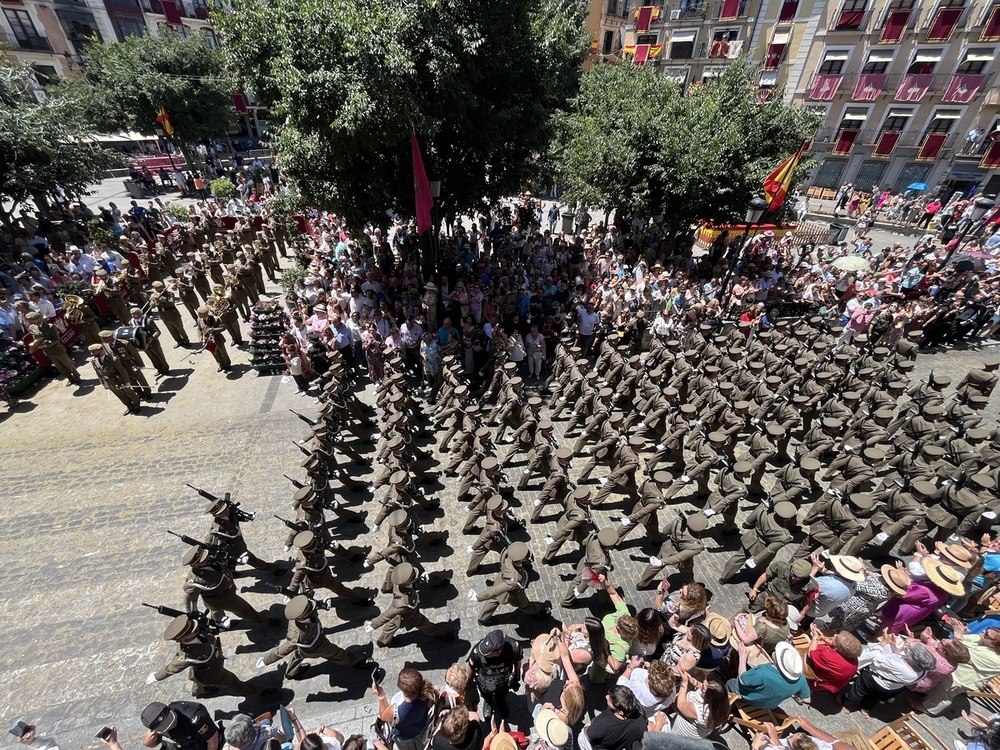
164,119
777,183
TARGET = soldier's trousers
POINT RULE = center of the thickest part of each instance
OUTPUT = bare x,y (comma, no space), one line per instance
551,494
622,476
175,327
761,559
155,352
62,362
645,515
324,649
127,396
668,550
661,455
563,532
865,536
220,678
394,619
231,602
232,323
481,548
326,581
222,356
820,537
501,593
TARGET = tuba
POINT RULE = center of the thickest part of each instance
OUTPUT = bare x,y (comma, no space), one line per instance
221,304
73,305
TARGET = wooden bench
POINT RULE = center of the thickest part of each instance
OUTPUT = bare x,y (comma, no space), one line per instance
989,696
903,734
752,719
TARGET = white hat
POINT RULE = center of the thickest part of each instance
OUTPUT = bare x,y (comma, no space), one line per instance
552,729
788,661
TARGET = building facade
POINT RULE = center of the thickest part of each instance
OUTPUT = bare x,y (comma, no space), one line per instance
908,90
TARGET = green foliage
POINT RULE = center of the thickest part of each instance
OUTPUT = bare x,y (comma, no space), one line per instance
477,80
223,188
290,277
43,145
283,206
101,237
178,210
634,143
132,79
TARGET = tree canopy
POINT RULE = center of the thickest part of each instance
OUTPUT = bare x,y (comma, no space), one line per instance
42,144
477,80
633,142
131,81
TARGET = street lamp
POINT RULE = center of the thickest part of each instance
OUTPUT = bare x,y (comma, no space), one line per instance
755,212
435,187
979,210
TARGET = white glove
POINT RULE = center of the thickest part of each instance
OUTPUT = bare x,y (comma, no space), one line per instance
369,628
225,622
285,600
425,577
686,479
549,541
286,548
698,422
367,565
537,503
708,512
625,521
469,549
751,563
660,446
990,515
656,562
151,679
881,537
472,596
337,545
421,530
260,663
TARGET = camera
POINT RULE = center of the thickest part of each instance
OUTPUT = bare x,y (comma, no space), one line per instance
378,675
20,729
103,733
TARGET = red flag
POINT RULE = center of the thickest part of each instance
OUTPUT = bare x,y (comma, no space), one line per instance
421,187
777,183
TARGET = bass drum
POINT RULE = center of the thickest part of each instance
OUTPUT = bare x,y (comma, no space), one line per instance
135,335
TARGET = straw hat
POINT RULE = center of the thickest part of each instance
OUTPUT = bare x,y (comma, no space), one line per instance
897,580
788,661
944,576
956,554
719,629
551,729
503,741
847,567
545,652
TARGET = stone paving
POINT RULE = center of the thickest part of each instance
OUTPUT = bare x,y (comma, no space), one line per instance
89,494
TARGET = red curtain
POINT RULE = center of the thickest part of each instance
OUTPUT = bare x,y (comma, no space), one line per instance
641,53
913,87
773,58
991,31
895,26
932,145
850,19
788,10
719,49
171,12
963,88
644,18
886,143
991,158
845,141
825,87
869,87
730,10
944,24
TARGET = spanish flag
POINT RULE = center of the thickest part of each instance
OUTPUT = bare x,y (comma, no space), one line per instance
164,119
777,183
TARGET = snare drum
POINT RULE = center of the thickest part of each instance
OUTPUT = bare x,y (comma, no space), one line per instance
135,335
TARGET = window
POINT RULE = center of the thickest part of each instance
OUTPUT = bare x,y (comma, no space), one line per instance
46,75
944,21
897,18
24,30
850,128
721,42
991,27
829,172
870,173
677,75
851,16
788,10
609,43
911,173
682,44
211,41
897,120
877,62
613,7
944,120
833,63
975,61
776,50
893,126
729,10
129,27
924,63
712,73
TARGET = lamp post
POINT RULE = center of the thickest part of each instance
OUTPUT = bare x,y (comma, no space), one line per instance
755,212
435,186
979,209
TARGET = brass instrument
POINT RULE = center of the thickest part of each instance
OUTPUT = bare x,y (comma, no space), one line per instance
220,303
73,305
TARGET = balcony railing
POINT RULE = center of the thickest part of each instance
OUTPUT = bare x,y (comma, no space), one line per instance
869,137
31,43
938,86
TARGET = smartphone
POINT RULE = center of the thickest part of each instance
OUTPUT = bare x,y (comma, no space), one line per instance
20,729
378,675
103,733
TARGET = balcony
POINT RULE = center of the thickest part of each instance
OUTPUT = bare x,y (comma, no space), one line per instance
869,137
27,44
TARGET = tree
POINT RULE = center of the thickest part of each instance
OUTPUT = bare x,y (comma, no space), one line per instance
632,142
42,144
477,80
131,80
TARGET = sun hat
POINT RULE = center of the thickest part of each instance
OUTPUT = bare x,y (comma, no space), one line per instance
847,567
944,576
897,580
545,652
551,729
788,661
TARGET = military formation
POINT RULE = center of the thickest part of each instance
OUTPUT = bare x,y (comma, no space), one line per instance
663,445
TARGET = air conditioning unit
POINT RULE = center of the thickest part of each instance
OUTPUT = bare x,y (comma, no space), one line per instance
675,14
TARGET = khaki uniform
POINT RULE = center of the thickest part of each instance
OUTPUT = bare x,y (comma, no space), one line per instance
678,550
216,589
45,336
509,589
166,306
210,331
575,523
312,571
404,613
114,377
204,657
900,513
764,538
306,640
596,558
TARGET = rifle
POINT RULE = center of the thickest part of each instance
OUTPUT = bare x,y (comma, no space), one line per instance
203,619
324,604
298,485
239,515
304,418
296,527
218,552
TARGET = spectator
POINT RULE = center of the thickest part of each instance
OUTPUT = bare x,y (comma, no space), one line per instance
409,712
832,661
767,685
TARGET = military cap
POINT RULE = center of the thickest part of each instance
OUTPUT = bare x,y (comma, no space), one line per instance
402,573
106,334
904,366
861,500
743,325
616,416
741,405
622,348
604,393
656,374
766,335
977,434
940,381
545,425
582,495
711,370
302,494
800,362
396,443
832,423
842,357
484,432
873,454
774,429
634,360
820,346
755,365
304,540
670,391
823,375
883,413
689,410
398,518
589,376
215,507
983,481
518,552
690,353
785,510
462,390
815,320
600,454
490,463
742,467
195,556
781,348
582,362
705,328
719,339
535,402
299,606
809,464
398,477
180,627
836,330
607,537
978,400
673,344
203,310
933,410
310,463
520,381
801,331
773,380
717,437
880,351
697,522
800,567
496,504
923,487
636,441
851,395
896,385
157,285
935,451
991,361
95,348
726,385
662,477
564,454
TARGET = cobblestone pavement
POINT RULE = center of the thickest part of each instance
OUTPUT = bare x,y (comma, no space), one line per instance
88,497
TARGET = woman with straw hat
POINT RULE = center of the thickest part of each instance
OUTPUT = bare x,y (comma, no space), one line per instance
933,583
869,595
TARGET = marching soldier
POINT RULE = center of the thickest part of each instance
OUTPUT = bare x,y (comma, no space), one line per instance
211,582
166,305
981,380
312,571
902,510
596,560
305,639
404,612
651,499
726,499
763,449
126,353
45,336
226,532
576,522
201,652
834,521
210,333
681,544
556,485
153,346
493,536
797,483
766,533
510,587
114,377
187,294
110,287
626,468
